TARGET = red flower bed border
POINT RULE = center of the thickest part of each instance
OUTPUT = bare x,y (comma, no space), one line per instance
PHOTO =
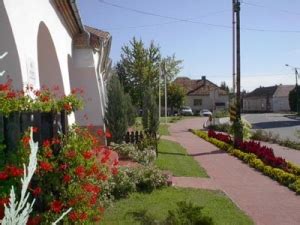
264,153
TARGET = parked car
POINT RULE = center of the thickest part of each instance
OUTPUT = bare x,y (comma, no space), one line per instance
205,112
186,111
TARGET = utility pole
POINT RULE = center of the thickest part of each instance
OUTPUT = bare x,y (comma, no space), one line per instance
233,49
166,102
159,92
297,88
237,124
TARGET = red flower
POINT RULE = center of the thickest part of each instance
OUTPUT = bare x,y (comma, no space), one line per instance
83,216
67,178
116,162
35,129
46,143
46,166
108,134
70,154
3,175
114,170
37,191
87,154
80,171
68,107
45,98
100,132
63,166
4,201
10,95
4,87
90,188
34,220
55,141
25,140
56,206
73,216
14,171
48,153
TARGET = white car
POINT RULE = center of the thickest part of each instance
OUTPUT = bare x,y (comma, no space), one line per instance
186,111
205,112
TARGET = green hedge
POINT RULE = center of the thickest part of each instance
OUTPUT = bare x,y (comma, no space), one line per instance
290,179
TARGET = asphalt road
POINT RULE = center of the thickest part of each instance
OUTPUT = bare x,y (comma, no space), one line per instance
283,124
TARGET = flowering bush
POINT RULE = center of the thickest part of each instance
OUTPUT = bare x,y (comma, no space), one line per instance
220,136
44,100
141,178
264,153
75,176
131,151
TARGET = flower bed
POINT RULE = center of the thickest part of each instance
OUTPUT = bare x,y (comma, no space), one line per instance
289,177
44,100
264,153
75,177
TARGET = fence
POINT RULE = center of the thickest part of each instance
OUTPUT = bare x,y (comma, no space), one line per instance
49,125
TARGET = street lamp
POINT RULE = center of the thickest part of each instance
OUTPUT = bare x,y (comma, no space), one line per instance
297,92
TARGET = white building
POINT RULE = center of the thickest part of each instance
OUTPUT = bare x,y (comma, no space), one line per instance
268,99
203,94
47,44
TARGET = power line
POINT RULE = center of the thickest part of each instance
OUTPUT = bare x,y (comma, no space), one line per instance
271,8
187,20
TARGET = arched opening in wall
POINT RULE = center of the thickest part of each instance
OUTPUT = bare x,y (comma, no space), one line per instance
49,69
11,62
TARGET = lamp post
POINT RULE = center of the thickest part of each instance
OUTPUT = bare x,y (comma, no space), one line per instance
297,92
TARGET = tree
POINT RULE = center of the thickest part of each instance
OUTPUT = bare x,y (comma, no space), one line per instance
138,68
130,110
224,86
172,67
116,110
150,117
293,99
175,96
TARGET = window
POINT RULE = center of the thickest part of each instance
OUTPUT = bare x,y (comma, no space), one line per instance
197,102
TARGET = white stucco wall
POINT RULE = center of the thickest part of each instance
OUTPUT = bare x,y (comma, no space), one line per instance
255,104
207,102
83,75
281,104
21,21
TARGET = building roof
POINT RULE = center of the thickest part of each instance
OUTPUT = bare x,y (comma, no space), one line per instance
97,32
198,87
272,91
283,90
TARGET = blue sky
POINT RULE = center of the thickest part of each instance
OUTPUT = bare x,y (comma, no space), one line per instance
206,49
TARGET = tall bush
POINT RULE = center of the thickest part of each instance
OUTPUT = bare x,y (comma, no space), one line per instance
116,111
130,110
150,117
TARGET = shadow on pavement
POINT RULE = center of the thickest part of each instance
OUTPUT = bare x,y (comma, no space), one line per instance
196,154
275,124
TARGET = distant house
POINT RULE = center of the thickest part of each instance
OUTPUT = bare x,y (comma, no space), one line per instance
203,94
268,99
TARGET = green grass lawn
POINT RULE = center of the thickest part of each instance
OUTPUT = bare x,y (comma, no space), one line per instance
163,129
173,157
216,205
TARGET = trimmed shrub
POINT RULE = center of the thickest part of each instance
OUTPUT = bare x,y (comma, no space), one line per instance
116,111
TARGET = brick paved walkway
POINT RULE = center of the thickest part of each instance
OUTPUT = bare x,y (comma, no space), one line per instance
263,199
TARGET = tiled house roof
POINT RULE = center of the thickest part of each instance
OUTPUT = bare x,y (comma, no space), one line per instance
272,91
97,32
283,90
198,87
